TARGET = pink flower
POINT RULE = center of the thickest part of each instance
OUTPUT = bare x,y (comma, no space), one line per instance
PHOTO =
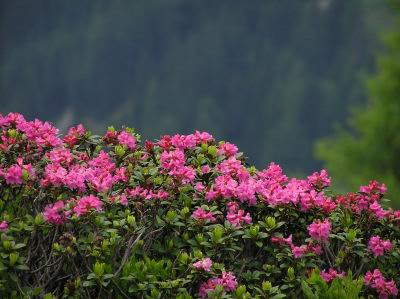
101,181
274,174
299,251
73,134
120,175
207,287
75,179
205,169
199,187
211,195
54,213
203,137
227,280
42,134
331,274
184,174
183,142
201,215
384,288
246,192
378,246
320,180
60,155
3,226
227,149
230,166
87,203
315,249
238,218
125,138
374,187
282,241
14,175
123,200
377,210
232,206
204,264
226,186
319,231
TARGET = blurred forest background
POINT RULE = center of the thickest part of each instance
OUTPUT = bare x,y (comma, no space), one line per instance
271,76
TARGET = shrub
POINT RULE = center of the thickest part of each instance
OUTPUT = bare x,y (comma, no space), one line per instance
88,216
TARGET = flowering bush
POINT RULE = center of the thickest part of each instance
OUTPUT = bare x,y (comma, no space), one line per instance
87,216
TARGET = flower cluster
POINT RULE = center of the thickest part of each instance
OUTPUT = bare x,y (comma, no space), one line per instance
201,215
384,288
204,264
331,274
319,231
86,204
378,246
227,280
88,216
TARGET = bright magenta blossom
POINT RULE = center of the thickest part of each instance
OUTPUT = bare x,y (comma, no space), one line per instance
201,215
320,180
3,226
86,204
54,214
239,218
378,246
14,175
127,139
384,288
319,231
227,280
331,274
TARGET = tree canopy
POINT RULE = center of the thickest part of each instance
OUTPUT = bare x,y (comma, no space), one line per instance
369,147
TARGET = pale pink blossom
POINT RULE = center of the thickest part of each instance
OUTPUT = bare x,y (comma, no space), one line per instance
204,264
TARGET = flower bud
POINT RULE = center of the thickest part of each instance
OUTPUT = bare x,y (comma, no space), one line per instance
154,293
254,230
13,258
130,219
38,219
184,211
199,237
183,258
119,150
98,269
171,215
6,245
271,222
266,286
170,244
240,291
290,273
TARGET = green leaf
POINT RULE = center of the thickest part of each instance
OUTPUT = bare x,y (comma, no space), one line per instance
308,293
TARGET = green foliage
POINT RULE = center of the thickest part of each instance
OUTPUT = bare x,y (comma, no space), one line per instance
371,145
340,288
183,217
